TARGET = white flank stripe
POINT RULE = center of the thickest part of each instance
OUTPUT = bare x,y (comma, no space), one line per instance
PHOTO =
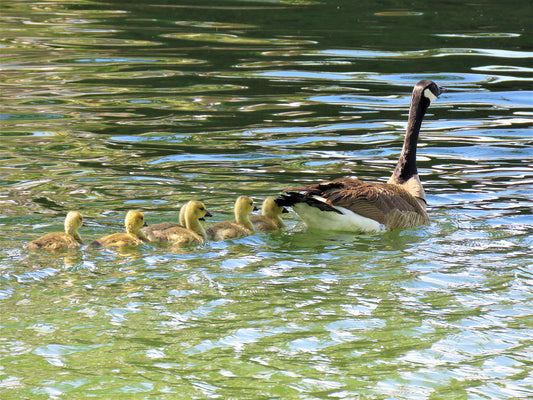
348,221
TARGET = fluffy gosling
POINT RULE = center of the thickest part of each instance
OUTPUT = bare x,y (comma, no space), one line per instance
270,218
133,222
61,240
192,234
239,227
153,232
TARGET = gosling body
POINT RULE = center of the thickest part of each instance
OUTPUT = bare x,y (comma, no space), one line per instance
153,232
133,236
239,227
192,234
68,239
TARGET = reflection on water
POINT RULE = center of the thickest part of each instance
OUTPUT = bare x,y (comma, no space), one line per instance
107,107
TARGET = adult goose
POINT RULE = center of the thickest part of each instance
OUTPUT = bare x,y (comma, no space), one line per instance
133,236
61,240
348,204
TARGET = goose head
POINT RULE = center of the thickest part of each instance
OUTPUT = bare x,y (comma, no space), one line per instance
428,91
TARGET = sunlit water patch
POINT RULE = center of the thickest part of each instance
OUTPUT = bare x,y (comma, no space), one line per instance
110,107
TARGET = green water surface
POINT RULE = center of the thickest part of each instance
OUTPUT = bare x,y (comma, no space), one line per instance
111,106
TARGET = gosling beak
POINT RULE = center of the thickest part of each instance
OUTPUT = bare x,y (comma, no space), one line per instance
284,211
207,214
145,224
255,209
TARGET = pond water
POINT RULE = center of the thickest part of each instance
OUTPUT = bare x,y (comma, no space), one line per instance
111,106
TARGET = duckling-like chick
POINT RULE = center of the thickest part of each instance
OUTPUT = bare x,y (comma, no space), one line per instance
270,218
153,232
193,233
61,240
134,221
239,227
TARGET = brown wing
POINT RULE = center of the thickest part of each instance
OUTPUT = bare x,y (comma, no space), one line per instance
263,223
388,204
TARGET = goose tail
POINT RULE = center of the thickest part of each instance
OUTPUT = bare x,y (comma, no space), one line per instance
289,199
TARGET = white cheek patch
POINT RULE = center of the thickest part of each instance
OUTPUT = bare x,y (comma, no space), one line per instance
428,94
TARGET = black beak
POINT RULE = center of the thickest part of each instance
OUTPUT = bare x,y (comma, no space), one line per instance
441,90
255,208
284,211
208,214
145,224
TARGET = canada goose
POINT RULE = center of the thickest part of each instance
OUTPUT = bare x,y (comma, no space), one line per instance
239,227
193,233
348,204
133,222
270,218
61,240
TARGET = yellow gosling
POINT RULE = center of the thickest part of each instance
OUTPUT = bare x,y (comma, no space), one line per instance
270,218
194,233
155,232
134,221
241,226
61,240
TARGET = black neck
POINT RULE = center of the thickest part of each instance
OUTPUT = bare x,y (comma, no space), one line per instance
406,167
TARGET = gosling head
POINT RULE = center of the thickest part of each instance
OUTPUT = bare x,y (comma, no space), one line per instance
73,222
198,210
244,205
134,221
271,208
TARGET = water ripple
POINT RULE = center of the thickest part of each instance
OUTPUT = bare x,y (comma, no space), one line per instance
112,107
